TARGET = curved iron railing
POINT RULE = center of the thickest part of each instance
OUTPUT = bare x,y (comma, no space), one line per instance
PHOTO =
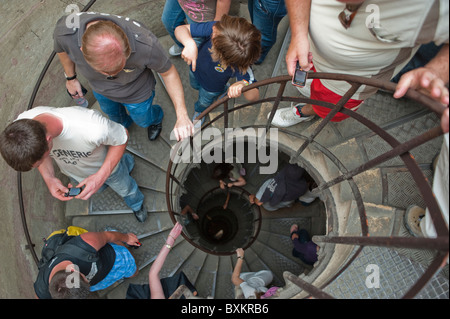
439,244
30,245
257,218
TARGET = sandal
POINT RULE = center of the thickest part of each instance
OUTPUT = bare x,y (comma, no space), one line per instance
294,230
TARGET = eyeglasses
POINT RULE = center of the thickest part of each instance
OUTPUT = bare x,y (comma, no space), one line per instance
111,77
348,14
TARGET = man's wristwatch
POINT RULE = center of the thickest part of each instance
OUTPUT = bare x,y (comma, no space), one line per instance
69,78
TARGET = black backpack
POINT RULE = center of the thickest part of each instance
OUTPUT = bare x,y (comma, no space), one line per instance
59,243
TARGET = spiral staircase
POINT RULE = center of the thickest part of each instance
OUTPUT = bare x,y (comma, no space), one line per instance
365,175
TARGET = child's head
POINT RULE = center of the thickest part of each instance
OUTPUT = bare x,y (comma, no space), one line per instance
236,43
222,171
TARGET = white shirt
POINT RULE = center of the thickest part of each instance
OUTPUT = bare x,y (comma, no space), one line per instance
81,148
357,51
440,189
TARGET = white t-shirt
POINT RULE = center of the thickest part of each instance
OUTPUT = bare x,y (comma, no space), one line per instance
80,149
255,282
357,51
440,189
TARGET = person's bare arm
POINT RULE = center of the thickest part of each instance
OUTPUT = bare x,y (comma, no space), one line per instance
73,86
222,7
190,51
183,127
93,183
54,184
235,91
235,277
156,290
431,79
240,182
299,12
99,239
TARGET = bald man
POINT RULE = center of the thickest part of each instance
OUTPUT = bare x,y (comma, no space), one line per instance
117,56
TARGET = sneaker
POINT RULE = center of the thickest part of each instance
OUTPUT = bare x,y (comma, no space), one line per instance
198,123
287,117
141,214
306,90
413,216
175,50
307,198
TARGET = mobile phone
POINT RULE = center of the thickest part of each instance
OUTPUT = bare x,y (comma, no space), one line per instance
300,76
83,89
74,191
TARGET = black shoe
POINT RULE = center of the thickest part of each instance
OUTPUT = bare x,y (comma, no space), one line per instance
141,214
154,131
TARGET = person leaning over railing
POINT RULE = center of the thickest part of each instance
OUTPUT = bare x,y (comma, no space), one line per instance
117,56
233,45
369,39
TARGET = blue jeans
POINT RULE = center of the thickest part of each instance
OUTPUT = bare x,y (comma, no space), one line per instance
123,184
266,15
205,98
174,16
143,114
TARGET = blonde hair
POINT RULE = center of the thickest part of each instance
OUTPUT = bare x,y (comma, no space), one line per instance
105,47
236,43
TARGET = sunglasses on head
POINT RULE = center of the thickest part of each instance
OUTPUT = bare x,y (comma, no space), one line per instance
348,14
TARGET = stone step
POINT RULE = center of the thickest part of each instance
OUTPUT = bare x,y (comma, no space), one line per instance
224,286
394,273
156,222
206,280
382,220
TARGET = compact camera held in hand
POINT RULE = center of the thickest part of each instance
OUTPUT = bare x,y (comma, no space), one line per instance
74,191
300,77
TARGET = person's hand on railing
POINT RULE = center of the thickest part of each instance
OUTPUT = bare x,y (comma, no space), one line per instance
174,233
425,81
184,128
235,90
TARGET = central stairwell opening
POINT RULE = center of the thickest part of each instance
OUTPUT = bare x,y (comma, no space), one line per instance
226,218
220,231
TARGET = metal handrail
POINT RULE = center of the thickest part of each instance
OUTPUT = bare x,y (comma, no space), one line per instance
440,243
256,230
